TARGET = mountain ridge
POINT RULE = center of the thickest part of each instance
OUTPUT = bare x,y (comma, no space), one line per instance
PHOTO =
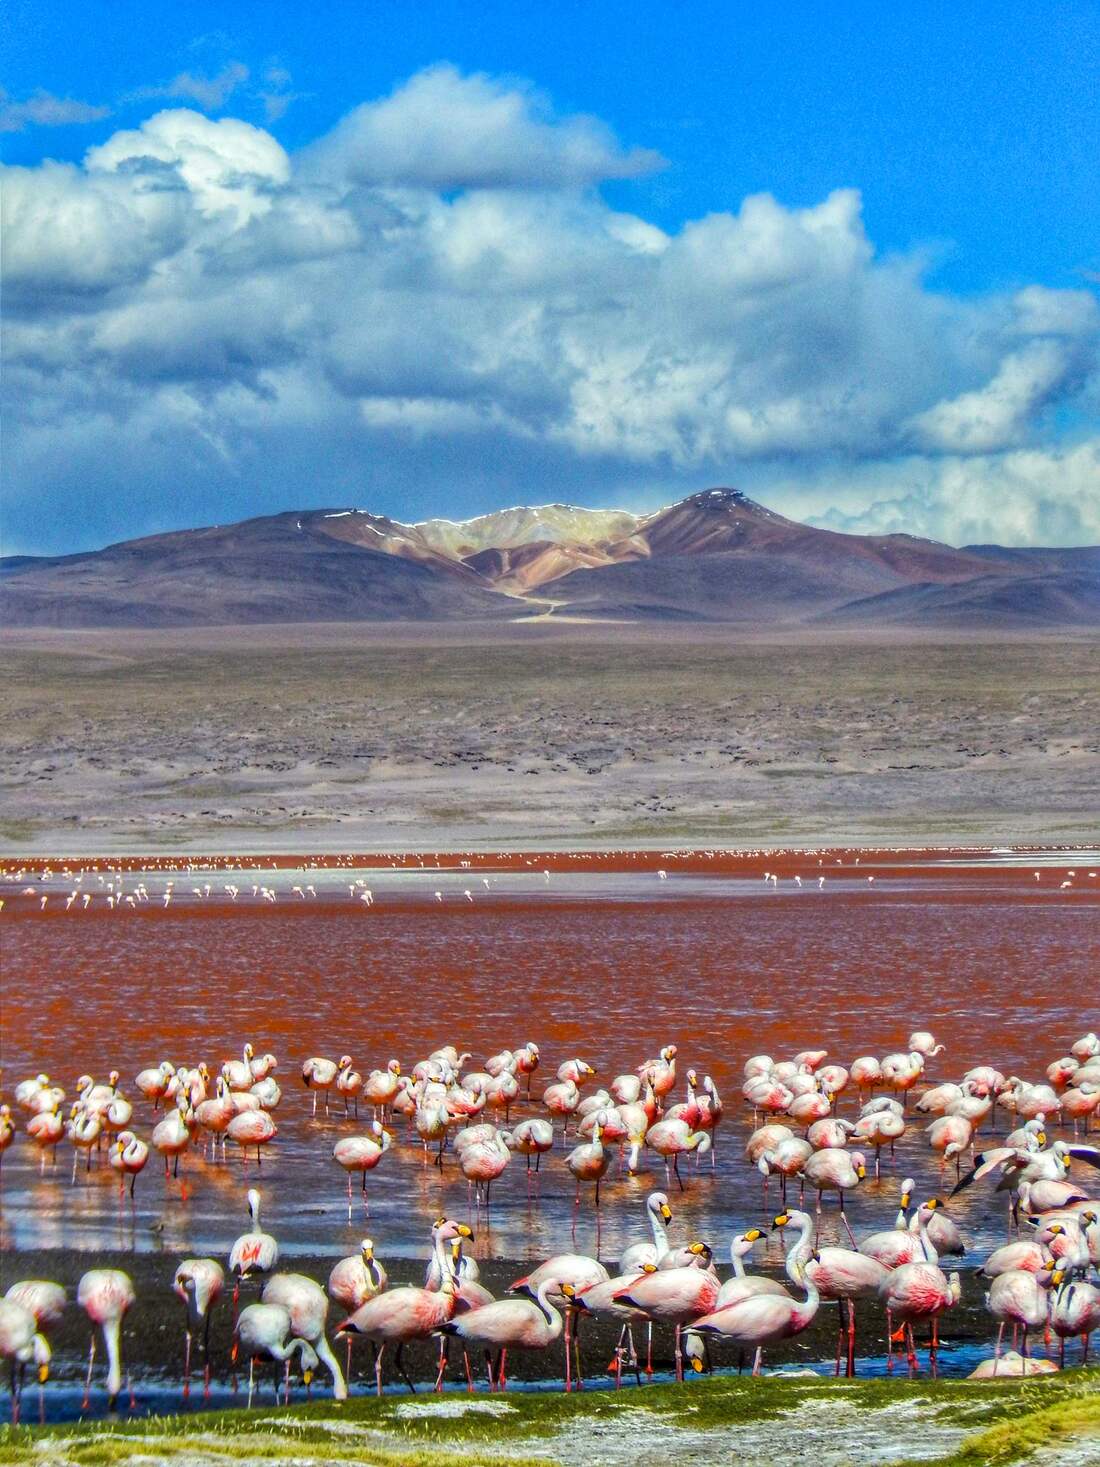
716,555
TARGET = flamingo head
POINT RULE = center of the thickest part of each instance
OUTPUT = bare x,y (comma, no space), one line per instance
253,1200
907,1191
752,1236
658,1205
565,1288
859,1161
934,1204
780,1220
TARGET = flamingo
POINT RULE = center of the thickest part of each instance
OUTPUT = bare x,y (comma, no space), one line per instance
1075,1310
588,1163
381,1086
482,1162
198,1284
671,1139
354,1280
919,1291
361,1154
349,1082
762,1319
128,1158
837,1273
172,1136
237,1074
1018,1297
675,1296
743,1285
21,1341
531,1324
530,1138
264,1329
254,1251
397,1316
897,1245
636,1255
320,1075
578,1270
306,1303
46,1130
252,1128
105,1295
837,1171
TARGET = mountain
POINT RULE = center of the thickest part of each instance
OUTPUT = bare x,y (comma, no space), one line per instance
286,567
714,556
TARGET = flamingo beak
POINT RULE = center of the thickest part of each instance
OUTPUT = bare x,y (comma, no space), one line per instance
752,1235
43,1374
666,1212
696,1365
465,1232
781,1221
235,1351
307,1376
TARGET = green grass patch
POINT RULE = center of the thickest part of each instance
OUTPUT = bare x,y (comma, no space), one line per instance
1004,1421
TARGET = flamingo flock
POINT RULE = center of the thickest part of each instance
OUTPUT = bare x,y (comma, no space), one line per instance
1041,1282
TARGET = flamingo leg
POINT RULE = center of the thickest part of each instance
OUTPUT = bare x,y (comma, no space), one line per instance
88,1381
380,1351
401,1368
187,1366
851,1337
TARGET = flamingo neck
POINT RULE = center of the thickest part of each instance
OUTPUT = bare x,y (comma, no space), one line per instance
927,1244
659,1228
553,1316
111,1332
737,1260
799,1254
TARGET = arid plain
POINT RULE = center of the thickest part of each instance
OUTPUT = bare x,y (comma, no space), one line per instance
344,737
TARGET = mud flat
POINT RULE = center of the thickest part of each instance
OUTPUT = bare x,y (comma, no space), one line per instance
341,738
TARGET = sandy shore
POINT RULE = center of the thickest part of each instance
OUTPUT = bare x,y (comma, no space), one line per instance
337,738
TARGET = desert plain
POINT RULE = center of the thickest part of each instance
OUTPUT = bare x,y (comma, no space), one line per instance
555,733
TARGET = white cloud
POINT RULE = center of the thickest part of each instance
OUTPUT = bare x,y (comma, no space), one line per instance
999,414
443,130
1026,497
436,301
43,109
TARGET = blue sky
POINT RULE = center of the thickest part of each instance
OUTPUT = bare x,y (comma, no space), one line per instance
904,337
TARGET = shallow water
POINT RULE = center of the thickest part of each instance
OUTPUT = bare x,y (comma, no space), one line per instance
602,959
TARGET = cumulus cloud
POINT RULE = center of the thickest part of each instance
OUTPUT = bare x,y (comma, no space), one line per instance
43,109
1026,497
443,130
434,307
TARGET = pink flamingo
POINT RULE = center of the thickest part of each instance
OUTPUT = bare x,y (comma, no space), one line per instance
128,1158
762,1319
1017,1297
918,1291
675,1296
198,1284
408,1313
354,1280
837,1273
529,1324
361,1154
581,1272
105,1295
252,1128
